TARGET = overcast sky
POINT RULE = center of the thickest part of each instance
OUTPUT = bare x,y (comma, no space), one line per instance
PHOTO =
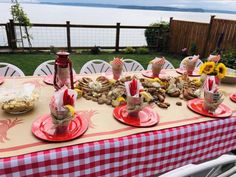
205,4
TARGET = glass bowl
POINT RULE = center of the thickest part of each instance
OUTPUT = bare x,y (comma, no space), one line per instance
19,100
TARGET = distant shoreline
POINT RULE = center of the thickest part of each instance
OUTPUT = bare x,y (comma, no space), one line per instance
60,13
159,8
133,7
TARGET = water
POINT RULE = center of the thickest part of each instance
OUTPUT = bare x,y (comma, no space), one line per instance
43,37
40,13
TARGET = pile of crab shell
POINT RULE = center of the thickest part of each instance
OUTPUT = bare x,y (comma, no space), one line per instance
103,90
112,92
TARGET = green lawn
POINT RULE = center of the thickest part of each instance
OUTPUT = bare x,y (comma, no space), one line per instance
29,62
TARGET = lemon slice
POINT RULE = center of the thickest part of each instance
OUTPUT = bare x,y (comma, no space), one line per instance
147,96
71,109
112,81
79,92
154,80
197,82
120,99
157,80
150,80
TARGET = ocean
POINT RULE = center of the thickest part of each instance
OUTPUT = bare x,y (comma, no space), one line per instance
44,37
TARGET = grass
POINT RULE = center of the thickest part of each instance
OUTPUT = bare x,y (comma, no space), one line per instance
28,62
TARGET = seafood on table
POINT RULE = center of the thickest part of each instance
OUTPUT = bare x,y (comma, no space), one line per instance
103,90
184,87
112,92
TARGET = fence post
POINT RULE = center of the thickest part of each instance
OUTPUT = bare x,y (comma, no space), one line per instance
169,35
12,34
159,39
68,36
117,37
208,36
7,28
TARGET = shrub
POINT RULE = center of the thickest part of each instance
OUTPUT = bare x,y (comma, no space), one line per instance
129,50
53,49
95,50
142,50
229,58
193,48
157,36
184,52
78,51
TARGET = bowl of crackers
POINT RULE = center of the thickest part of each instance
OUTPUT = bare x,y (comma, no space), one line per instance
19,100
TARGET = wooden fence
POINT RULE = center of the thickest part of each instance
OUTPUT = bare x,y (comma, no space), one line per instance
205,36
225,27
12,36
182,34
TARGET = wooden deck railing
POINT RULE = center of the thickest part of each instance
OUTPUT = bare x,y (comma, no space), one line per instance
12,38
182,34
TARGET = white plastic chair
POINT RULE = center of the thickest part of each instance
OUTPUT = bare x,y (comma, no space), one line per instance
95,66
198,64
224,166
9,70
167,65
46,68
132,65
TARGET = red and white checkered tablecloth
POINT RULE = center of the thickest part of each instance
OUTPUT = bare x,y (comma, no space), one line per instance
143,154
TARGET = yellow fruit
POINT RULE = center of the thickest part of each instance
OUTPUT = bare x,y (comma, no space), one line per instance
197,82
112,81
71,109
150,80
79,92
120,99
157,80
162,90
147,96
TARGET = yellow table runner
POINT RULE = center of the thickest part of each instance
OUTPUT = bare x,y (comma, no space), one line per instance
15,130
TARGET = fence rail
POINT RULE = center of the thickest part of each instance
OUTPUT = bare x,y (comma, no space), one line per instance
3,37
181,34
205,36
73,36
184,34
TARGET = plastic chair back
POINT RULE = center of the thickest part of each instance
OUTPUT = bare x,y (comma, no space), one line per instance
9,70
224,166
95,66
198,64
44,69
132,65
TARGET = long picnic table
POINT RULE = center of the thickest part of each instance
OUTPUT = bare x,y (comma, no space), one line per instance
109,148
